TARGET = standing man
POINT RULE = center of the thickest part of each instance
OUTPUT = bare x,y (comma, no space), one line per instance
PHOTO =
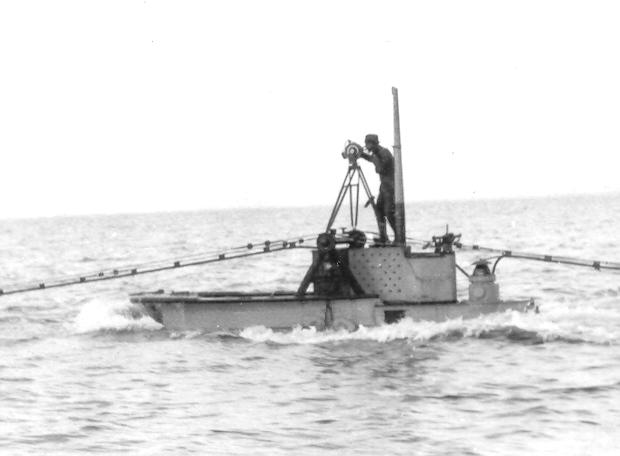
384,165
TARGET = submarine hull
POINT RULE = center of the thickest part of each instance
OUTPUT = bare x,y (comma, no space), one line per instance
230,311
212,312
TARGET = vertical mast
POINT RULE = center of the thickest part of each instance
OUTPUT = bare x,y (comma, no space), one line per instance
399,194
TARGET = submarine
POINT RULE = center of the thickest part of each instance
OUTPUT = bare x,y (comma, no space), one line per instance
350,282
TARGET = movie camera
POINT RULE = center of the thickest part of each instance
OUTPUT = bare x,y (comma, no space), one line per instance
352,151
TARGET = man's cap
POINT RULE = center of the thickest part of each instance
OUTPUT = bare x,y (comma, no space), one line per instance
372,139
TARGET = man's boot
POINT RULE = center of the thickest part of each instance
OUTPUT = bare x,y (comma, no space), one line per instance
382,239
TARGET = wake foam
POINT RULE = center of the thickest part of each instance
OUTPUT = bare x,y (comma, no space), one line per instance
405,329
112,315
576,323
558,324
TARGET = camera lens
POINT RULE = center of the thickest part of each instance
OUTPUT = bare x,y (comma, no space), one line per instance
352,151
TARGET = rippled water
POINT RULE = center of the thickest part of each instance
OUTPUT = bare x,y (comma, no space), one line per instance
82,370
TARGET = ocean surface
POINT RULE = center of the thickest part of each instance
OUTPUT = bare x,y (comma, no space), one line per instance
84,371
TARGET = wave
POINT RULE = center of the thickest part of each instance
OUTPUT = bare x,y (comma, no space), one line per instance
112,315
557,325
557,322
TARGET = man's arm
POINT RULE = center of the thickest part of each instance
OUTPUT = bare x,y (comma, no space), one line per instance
366,156
374,159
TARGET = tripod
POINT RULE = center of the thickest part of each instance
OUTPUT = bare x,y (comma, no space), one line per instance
353,189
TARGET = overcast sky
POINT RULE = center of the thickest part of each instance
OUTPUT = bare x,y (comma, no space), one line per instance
145,106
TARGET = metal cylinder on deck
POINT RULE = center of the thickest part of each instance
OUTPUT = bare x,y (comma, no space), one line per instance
482,286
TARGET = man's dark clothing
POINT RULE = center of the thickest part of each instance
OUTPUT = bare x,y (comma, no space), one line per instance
384,165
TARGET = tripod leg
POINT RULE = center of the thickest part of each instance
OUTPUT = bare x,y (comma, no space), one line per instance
357,202
341,195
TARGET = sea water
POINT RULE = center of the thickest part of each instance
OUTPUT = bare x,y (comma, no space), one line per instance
84,371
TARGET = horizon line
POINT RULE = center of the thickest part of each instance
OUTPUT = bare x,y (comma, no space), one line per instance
605,193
